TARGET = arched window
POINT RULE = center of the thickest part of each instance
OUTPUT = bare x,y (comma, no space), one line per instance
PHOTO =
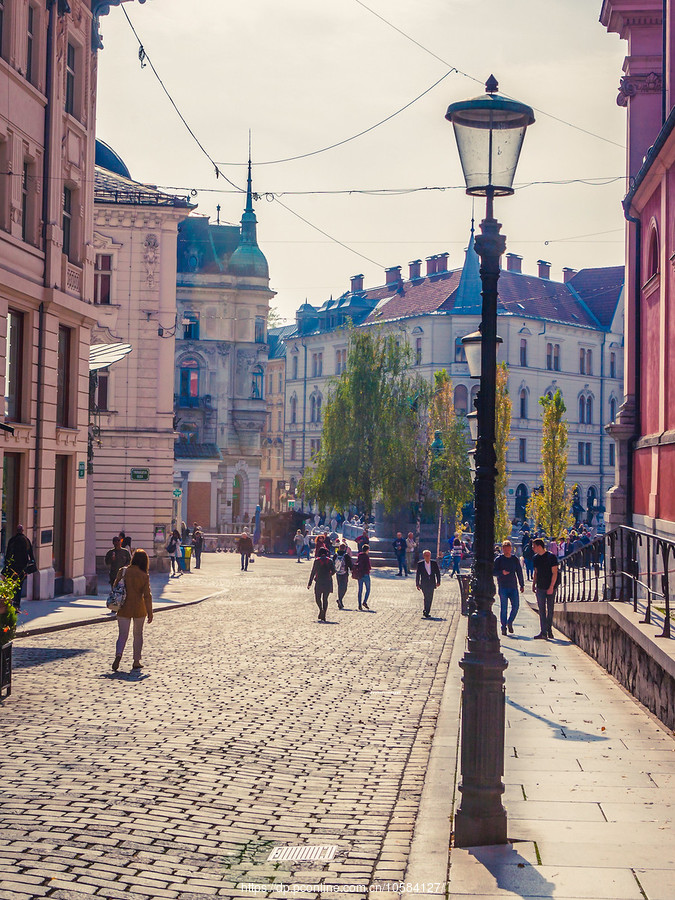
653,255
188,383
460,353
589,410
523,403
522,496
589,362
461,400
318,408
295,367
312,408
582,410
556,357
612,365
549,356
523,351
294,410
612,409
257,382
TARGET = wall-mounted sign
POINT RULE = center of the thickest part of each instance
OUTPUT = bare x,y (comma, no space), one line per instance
178,493
80,470
140,474
160,534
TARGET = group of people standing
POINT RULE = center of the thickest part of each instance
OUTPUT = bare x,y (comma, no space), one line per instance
509,574
342,566
178,540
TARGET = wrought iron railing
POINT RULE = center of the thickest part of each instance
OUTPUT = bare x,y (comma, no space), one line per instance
624,565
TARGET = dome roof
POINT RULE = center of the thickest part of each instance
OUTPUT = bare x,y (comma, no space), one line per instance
106,158
248,259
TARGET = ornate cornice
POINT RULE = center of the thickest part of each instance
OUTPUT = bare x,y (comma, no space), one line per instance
101,8
630,85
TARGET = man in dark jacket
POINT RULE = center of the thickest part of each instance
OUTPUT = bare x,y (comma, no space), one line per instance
399,546
508,571
116,559
322,573
245,548
343,566
427,580
197,546
18,556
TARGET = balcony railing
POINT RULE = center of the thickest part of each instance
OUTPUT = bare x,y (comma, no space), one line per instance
185,401
627,566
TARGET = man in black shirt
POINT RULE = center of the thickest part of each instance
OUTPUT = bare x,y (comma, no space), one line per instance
509,574
544,584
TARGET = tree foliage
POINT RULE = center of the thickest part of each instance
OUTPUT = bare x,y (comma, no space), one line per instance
502,438
369,442
450,471
550,506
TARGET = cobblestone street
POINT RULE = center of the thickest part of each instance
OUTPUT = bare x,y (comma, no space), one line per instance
252,726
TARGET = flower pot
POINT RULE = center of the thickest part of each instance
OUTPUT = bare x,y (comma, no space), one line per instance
6,670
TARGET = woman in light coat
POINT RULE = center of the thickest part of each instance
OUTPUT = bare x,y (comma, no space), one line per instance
136,607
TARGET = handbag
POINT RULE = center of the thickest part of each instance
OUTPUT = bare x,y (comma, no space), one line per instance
31,567
118,595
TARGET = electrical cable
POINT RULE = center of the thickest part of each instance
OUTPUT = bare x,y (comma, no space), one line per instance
272,162
466,75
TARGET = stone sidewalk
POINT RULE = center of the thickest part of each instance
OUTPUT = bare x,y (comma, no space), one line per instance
589,780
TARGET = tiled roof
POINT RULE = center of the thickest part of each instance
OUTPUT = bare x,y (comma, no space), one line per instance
539,298
600,290
413,298
109,187
205,248
186,450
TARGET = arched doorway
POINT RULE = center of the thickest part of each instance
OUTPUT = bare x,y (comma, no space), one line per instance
591,504
522,496
236,498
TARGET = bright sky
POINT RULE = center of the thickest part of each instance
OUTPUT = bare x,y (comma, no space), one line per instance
303,75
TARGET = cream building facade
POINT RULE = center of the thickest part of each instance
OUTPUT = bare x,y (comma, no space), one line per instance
135,237
48,79
556,335
223,295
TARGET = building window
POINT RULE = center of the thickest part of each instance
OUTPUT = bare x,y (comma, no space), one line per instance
588,454
294,410
71,74
612,454
549,356
523,352
340,361
315,408
522,450
279,456
418,351
191,328
279,417
14,366
589,362
612,365
257,383
580,453
102,278
556,357
582,410
461,400
188,386
523,404
259,330
653,256
318,409
280,382
25,230
101,395
294,448
63,365
317,365
68,221
295,367
460,352
314,447
589,410
612,410
30,44
582,362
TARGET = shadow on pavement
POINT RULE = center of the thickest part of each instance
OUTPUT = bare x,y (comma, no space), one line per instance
560,731
513,873
24,657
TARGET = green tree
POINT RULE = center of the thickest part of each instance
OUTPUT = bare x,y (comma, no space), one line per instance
550,507
370,429
450,471
502,438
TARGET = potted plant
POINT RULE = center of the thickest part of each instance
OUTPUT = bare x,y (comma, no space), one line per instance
9,584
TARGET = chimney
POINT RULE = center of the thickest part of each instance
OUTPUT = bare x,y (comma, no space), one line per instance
415,268
393,275
356,283
514,263
568,274
431,265
442,262
544,268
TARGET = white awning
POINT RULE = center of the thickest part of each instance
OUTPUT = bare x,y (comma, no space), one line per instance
103,355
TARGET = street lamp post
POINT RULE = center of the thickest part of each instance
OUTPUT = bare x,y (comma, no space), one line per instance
489,131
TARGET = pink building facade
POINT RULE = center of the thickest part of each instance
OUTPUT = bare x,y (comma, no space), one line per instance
644,490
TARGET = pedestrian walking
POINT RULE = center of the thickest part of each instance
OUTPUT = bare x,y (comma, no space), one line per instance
299,541
343,566
399,546
410,548
197,546
245,549
544,585
362,570
322,576
173,549
456,555
509,574
116,559
362,538
319,543
528,555
19,561
137,605
427,579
